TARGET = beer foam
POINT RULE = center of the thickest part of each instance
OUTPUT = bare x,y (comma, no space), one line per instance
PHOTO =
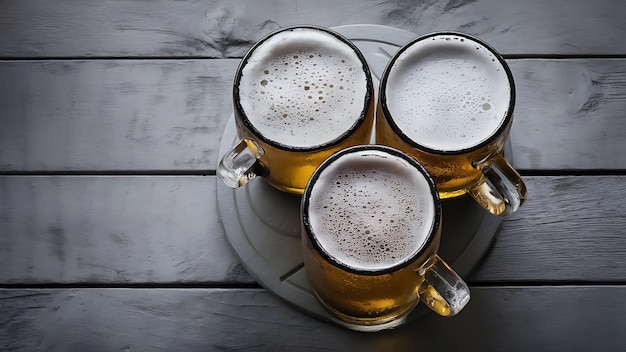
303,87
448,93
371,210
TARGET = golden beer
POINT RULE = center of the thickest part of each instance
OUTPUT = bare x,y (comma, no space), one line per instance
371,229
454,173
300,94
447,100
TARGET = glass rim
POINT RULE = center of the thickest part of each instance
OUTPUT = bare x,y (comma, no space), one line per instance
369,92
306,223
504,122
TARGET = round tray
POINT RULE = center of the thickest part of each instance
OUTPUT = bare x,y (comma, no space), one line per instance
262,223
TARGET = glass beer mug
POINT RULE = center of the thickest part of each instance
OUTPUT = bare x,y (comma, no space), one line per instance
447,100
371,227
300,94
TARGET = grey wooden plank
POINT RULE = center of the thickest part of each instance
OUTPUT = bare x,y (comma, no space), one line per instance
112,115
135,230
221,28
569,114
570,229
113,229
103,115
572,318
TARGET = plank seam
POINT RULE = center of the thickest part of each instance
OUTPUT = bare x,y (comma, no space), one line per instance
543,283
166,285
110,173
471,284
200,57
523,172
572,172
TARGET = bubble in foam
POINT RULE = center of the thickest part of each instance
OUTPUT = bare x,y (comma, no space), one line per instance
302,65
448,94
371,212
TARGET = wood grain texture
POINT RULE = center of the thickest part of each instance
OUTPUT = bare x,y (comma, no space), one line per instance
569,114
111,115
496,319
113,230
159,229
141,263
571,229
221,28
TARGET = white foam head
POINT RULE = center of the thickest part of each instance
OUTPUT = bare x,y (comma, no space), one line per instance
371,210
448,92
303,87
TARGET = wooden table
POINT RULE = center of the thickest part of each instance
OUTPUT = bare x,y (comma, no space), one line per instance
111,115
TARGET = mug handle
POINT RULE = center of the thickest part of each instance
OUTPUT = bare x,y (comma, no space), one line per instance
442,290
503,191
241,164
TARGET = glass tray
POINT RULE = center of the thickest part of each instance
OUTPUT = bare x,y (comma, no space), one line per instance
262,224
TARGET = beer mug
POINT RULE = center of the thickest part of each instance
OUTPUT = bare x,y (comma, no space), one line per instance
447,100
371,220
300,94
